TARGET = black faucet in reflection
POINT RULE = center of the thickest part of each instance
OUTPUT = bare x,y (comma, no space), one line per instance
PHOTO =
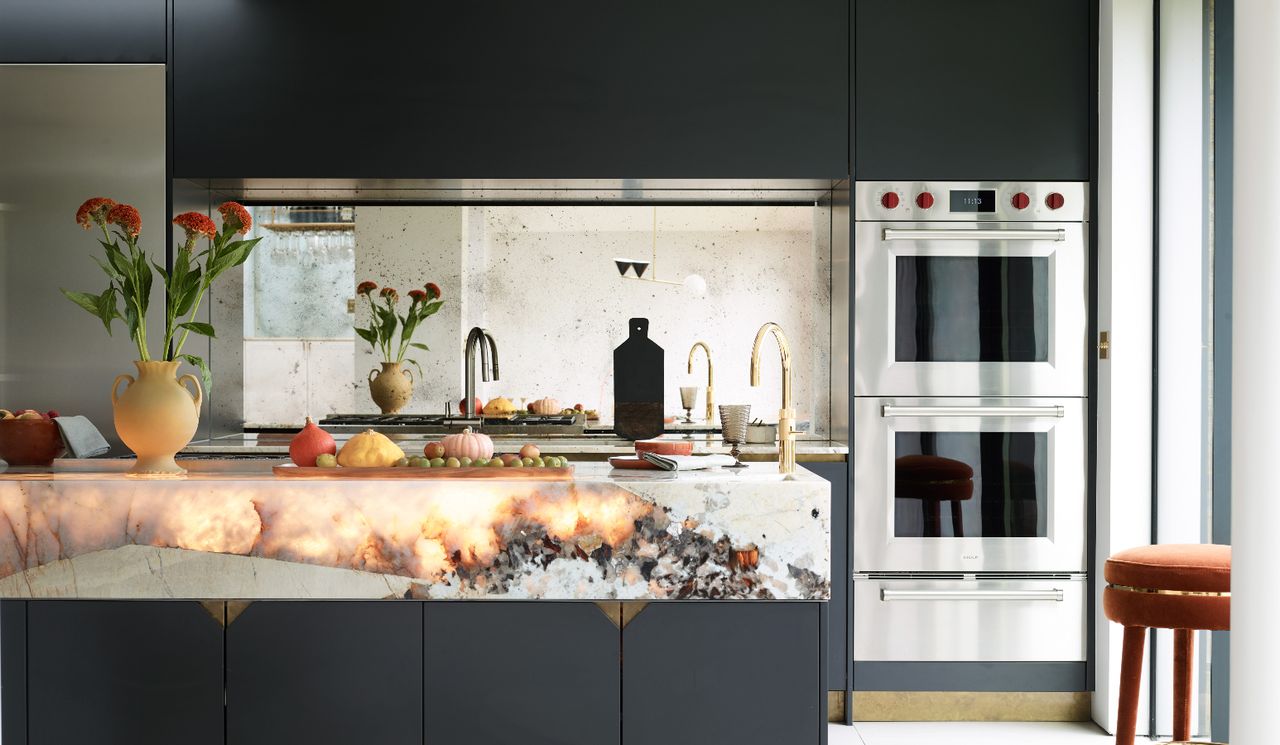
481,338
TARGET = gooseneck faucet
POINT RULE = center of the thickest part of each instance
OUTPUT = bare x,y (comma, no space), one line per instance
711,378
481,338
786,417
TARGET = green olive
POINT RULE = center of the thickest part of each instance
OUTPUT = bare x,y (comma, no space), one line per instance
400,463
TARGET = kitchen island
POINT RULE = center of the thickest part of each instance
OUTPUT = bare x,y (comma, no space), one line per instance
234,530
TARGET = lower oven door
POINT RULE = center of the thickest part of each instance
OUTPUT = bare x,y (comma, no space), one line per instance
979,620
969,485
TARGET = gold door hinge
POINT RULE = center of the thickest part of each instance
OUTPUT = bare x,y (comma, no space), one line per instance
1104,345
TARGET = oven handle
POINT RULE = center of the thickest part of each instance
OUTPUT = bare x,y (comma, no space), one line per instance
1029,412
899,234
1055,595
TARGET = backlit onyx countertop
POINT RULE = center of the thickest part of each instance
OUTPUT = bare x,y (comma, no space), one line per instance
233,530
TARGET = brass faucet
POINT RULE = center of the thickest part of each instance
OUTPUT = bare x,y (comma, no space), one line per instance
786,417
711,378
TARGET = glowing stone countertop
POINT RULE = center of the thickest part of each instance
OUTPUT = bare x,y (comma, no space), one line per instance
232,530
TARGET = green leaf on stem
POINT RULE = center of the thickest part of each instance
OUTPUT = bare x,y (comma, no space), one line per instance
368,335
418,345
200,328
206,376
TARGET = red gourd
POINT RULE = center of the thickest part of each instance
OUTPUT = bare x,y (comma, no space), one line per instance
310,443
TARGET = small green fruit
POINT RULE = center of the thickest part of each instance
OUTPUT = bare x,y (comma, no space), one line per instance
420,463
437,462
465,462
452,463
400,463
326,460
539,462
526,462
496,463
480,462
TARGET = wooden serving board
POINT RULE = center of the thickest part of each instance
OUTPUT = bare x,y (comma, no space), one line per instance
408,472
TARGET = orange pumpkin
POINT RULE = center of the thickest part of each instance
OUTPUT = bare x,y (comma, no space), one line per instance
468,444
310,443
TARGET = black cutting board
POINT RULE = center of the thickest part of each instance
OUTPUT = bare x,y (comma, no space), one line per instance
637,384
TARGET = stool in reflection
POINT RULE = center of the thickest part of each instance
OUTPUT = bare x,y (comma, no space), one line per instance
933,480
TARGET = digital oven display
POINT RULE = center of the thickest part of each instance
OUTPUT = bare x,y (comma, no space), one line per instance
973,200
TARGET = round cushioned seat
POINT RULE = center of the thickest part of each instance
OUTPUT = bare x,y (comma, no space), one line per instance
1171,586
932,477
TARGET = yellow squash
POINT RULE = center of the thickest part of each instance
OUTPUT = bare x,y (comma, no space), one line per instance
369,449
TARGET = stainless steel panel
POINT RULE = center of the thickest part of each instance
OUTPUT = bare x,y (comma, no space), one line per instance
878,373
67,133
978,620
877,549
1075,202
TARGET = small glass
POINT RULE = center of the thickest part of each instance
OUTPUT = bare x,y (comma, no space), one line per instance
733,425
688,399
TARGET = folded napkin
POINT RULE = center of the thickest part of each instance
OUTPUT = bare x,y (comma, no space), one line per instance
687,462
82,438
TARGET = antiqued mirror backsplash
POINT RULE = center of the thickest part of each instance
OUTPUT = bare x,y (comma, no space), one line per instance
544,281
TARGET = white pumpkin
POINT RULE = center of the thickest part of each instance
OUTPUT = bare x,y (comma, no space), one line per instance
468,444
546,406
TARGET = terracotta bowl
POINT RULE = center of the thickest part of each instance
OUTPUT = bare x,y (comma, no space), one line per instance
665,447
30,442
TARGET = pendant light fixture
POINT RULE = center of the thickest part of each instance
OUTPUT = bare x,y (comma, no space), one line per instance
694,283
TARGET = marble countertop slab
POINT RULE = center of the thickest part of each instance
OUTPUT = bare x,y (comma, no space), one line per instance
703,444
232,530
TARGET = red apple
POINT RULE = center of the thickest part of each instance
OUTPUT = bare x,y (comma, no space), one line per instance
530,451
462,406
530,407
433,450
51,413
577,407
508,459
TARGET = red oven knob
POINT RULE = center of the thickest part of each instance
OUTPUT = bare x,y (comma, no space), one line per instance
889,200
1054,200
1020,201
924,200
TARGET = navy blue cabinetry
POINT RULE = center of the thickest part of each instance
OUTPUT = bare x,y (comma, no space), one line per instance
511,89
85,31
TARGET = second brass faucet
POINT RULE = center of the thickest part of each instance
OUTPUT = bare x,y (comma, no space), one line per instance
786,417
711,378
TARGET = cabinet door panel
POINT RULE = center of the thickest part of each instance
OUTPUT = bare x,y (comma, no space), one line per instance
841,579
126,673
524,673
511,89
974,90
701,672
325,673
86,31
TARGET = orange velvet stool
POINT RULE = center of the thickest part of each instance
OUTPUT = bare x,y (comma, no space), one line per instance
1184,587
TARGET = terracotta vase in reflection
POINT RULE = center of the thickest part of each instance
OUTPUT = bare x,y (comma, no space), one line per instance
391,387
156,415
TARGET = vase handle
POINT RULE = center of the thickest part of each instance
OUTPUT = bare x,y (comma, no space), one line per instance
408,372
116,385
198,396
372,374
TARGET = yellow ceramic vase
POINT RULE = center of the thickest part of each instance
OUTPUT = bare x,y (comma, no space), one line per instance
391,387
156,415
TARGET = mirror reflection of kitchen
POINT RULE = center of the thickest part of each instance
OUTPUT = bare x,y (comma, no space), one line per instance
544,281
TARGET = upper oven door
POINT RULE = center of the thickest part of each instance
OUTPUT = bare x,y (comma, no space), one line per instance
969,485
970,309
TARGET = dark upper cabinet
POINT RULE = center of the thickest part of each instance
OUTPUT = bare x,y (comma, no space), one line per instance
325,673
87,31
511,89
521,673
121,673
974,90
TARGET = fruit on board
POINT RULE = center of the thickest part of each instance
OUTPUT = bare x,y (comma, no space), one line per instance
578,407
496,463
530,407
500,406
526,462
452,463
369,449
402,463
6,414
437,462
462,406
30,415
51,413
509,459
530,451
420,462
309,443
433,450
479,462
464,462
545,406
326,460
466,444
538,462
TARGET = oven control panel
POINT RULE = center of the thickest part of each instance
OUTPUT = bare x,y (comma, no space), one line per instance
970,201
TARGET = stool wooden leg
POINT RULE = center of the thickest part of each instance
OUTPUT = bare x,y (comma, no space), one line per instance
1135,638
957,519
1183,647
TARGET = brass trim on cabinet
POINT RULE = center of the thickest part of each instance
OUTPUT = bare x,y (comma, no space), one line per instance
970,706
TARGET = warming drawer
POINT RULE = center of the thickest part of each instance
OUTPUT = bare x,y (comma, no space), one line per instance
959,620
